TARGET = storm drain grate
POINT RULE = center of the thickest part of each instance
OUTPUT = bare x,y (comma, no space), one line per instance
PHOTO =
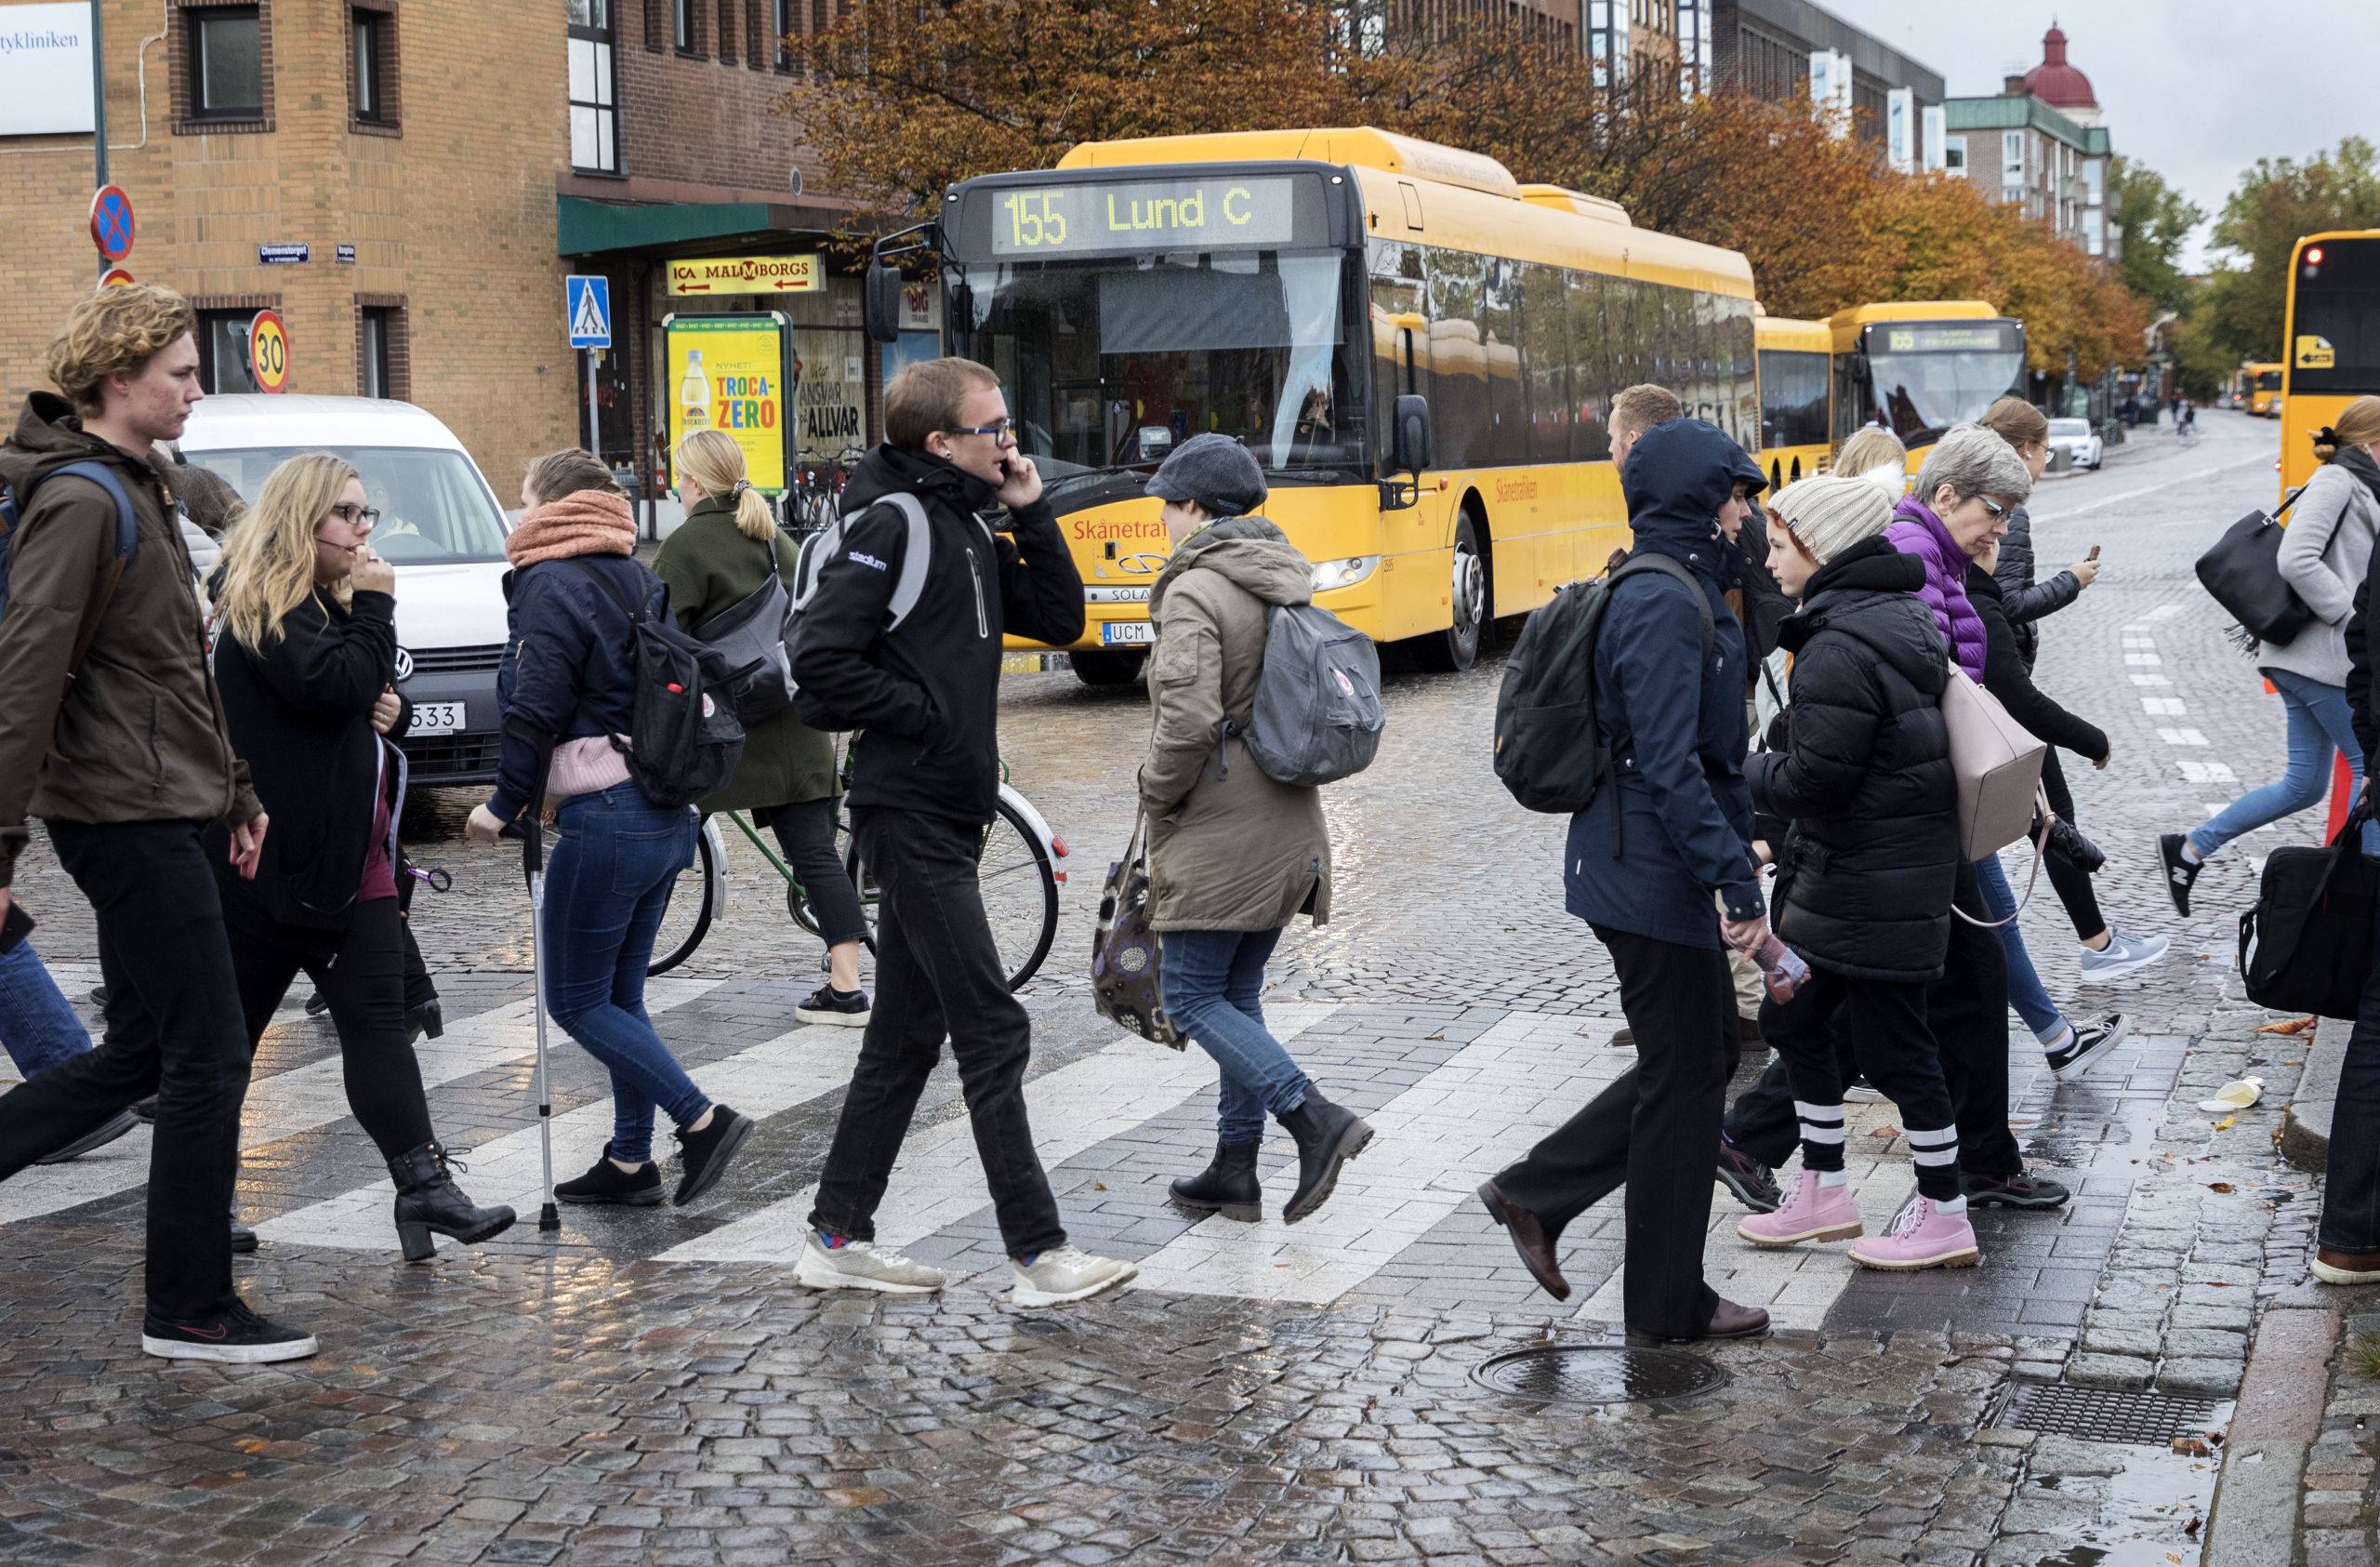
1599,1373
2105,1414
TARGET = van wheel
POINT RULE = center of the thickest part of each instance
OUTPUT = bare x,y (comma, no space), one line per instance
1107,669
1457,648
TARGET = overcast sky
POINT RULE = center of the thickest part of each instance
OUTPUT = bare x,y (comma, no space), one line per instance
2197,89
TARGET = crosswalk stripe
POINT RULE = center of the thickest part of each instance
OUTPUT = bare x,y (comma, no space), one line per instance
1432,1145
937,1180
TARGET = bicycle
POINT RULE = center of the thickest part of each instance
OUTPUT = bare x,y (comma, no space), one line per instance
1019,873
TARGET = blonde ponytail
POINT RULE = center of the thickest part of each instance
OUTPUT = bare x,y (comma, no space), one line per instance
711,459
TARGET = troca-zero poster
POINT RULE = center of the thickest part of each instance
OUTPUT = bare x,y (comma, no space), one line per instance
728,372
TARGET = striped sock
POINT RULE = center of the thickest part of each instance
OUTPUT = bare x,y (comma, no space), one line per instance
1936,1154
1821,1135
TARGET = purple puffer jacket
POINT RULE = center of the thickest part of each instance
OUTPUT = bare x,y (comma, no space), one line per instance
1915,530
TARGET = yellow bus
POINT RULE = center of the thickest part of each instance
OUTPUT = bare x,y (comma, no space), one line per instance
1918,367
1794,396
1421,350
2333,330
2265,395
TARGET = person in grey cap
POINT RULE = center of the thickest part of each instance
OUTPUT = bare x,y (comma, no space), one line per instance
1233,855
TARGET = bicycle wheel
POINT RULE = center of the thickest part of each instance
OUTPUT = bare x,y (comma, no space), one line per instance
687,920
1020,891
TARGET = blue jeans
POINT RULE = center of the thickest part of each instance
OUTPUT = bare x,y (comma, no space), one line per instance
2319,723
1212,980
2024,990
37,1024
616,856
2351,1178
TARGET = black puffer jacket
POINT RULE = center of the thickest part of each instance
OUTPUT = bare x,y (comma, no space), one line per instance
1864,774
2026,600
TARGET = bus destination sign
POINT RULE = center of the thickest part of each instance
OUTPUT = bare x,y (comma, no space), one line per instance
1983,337
1144,215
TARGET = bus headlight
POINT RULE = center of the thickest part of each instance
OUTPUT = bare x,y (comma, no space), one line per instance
1344,573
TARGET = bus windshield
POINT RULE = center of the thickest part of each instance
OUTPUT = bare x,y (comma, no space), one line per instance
2269,381
1928,377
1113,363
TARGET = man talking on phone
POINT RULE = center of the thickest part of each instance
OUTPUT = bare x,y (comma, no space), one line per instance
922,678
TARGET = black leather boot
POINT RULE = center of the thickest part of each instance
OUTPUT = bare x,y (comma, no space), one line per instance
1228,1186
1328,1136
428,1018
428,1200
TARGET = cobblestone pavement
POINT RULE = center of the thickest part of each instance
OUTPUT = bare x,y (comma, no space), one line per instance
650,1386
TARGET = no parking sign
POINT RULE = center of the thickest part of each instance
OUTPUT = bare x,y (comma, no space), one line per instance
111,222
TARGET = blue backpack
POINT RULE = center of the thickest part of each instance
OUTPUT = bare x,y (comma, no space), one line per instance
15,503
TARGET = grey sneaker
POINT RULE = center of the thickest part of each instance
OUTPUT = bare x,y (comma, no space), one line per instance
861,1265
1063,1274
2122,955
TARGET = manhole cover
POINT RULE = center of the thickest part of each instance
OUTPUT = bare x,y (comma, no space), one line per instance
1599,1373
2104,1414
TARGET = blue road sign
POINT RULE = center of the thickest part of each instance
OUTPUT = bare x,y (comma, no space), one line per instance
587,308
111,222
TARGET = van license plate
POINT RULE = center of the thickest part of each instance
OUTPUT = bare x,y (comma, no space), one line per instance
1116,632
436,718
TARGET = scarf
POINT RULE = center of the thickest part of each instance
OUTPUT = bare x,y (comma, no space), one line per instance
2358,461
588,523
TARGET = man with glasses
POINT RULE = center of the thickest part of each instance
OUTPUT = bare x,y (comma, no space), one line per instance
925,782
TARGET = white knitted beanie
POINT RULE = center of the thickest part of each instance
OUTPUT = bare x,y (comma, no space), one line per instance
1830,512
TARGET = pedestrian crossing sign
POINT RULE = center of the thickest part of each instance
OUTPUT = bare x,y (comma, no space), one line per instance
587,305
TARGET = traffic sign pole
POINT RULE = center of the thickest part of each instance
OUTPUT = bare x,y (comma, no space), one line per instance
99,108
594,428
586,315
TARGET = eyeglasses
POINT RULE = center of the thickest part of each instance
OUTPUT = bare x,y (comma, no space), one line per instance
357,516
1993,507
1003,430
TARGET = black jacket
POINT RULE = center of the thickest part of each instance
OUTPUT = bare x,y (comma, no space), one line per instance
300,716
2362,681
1864,774
926,692
569,671
2008,676
2025,600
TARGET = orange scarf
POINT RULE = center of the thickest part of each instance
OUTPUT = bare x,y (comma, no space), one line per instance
588,523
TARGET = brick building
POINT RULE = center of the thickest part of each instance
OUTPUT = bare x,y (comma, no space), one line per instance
2037,144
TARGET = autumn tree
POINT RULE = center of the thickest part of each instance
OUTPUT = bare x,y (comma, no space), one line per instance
2277,201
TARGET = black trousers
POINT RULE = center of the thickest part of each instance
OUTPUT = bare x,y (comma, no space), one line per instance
361,971
1882,1024
806,832
173,1029
2073,884
420,989
1681,1005
937,973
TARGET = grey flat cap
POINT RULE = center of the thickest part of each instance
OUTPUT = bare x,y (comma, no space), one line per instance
1216,472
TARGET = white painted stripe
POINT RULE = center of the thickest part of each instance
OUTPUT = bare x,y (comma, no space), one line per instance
2143,643
1810,1112
2143,660
938,1180
1934,1158
308,1097
2207,772
2150,680
2163,707
1946,1136
2167,611
1433,1145
2183,737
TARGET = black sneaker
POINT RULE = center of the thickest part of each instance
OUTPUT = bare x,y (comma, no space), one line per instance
234,1335
2179,872
99,1137
146,1109
703,1156
2023,1189
609,1186
243,1239
1755,1186
2087,1045
841,1009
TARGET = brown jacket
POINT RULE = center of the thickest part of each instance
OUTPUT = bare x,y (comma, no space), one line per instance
139,733
1229,848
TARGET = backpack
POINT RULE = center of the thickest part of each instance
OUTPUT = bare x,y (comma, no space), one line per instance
1548,751
750,636
682,742
823,548
1318,715
15,504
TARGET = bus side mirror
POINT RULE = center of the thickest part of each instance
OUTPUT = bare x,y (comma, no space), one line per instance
1412,447
883,292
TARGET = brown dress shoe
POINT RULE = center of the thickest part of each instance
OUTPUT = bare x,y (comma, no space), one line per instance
1729,1320
1529,1239
2335,1266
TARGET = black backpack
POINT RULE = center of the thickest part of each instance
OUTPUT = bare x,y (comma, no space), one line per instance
683,742
1549,751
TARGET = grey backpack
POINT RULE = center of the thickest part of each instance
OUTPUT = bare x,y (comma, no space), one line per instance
1318,716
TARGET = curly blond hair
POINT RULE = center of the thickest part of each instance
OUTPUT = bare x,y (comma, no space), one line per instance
116,332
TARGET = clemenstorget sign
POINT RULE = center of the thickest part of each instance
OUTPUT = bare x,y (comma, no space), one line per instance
44,69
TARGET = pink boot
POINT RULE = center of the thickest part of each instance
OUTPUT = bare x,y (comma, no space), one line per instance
1811,1212
1921,1236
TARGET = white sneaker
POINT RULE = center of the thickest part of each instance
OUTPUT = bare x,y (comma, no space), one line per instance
861,1265
1063,1274
2122,955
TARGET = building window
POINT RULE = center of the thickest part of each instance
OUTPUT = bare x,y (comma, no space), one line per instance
226,63
2011,157
381,367
681,25
594,96
785,26
372,63
1954,155
223,351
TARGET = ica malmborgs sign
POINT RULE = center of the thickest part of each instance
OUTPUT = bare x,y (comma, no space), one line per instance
44,69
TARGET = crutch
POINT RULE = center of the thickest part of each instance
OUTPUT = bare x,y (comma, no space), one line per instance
531,829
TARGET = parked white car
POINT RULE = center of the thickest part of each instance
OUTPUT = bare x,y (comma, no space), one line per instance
441,527
2075,438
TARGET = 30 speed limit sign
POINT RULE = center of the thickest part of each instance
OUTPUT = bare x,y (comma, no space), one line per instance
269,351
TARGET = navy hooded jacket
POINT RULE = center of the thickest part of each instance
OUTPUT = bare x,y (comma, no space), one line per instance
1675,825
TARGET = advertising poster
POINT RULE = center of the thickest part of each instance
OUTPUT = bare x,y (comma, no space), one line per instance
830,393
727,372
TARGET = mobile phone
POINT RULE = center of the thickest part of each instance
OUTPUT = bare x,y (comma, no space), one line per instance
16,927
2093,554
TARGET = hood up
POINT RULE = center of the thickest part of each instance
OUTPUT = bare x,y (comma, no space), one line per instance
1252,552
1677,477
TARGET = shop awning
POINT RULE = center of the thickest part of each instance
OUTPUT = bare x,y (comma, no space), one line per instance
594,228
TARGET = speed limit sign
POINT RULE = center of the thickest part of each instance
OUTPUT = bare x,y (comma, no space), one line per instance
269,351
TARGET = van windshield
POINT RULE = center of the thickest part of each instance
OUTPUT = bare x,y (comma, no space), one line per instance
434,509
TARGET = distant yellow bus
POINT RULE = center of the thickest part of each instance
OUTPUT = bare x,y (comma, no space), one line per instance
1796,396
2265,391
1421,350
1917,367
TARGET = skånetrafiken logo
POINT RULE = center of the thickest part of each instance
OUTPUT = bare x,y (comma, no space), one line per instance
14,43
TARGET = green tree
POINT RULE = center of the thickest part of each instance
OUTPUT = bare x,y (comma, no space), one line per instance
2156,220
2277,203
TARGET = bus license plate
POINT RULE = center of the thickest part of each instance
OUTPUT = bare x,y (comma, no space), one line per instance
436,718
1116,631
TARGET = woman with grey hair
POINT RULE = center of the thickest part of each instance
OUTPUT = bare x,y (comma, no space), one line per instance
1964,491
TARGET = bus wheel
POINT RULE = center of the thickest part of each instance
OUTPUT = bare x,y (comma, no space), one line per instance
1107,669
1457,646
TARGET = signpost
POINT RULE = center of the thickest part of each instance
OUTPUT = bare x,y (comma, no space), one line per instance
269,351
586,310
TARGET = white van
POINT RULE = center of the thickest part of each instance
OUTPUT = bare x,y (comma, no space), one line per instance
441,527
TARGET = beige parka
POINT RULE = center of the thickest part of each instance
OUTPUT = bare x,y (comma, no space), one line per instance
1229,848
